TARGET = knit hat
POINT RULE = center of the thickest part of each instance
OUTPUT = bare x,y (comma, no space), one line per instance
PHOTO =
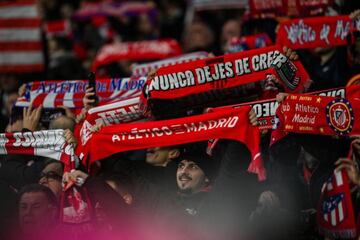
204,161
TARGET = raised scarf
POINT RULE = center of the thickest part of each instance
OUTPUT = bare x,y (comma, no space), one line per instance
317,32
137,51
211,78
50,143
317,115
224,124
53,93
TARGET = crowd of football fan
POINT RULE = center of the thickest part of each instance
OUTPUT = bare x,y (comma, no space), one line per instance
178,191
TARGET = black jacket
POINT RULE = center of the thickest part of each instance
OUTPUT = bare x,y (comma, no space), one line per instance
224,211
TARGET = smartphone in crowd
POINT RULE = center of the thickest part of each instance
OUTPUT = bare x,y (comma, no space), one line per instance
92,84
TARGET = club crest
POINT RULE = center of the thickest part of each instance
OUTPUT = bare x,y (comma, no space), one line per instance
339,115
333,210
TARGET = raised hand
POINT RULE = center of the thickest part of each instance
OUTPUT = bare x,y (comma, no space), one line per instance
31,117
351,169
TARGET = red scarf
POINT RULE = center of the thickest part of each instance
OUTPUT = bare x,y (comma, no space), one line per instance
318,115
265,109
316,32
335,214
145,50
226,124
222,72
50,143
76,206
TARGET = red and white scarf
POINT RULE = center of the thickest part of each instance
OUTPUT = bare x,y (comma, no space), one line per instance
222,124
53,93
317,32
123,111
335,214
50,143
137,51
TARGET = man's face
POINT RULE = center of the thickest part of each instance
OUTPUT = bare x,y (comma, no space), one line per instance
230,29
198,36
51,178
190,177
158,156
35,212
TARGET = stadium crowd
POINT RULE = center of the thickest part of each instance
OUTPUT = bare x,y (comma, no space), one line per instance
190,188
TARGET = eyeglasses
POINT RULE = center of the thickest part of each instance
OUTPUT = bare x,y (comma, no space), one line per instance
51,175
